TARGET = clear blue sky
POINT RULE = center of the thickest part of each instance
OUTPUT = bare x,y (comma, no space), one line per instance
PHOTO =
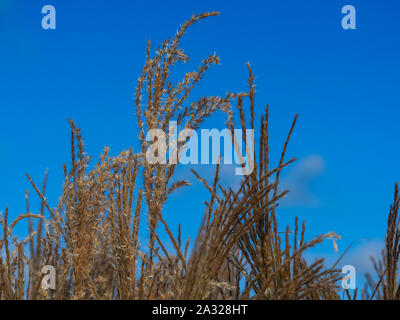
344,84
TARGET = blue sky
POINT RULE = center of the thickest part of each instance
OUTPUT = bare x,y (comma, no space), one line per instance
344,84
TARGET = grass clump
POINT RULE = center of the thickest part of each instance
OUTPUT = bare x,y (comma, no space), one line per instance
92,236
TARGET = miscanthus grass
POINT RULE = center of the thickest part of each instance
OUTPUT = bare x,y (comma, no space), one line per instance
91,237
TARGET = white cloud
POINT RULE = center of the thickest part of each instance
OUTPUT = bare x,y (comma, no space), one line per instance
299,179
359,255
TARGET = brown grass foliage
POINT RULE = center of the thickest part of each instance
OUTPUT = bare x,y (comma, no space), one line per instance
91,237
